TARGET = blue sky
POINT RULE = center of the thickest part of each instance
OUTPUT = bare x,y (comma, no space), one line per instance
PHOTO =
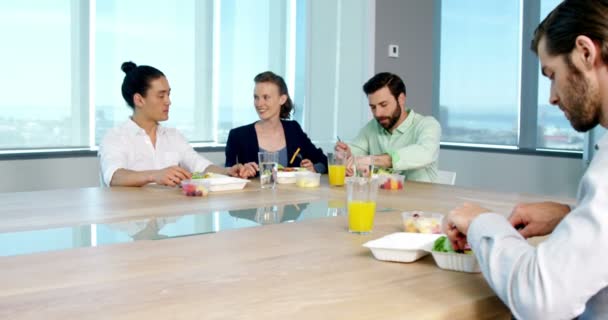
480,54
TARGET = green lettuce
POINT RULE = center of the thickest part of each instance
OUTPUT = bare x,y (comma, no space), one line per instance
442,244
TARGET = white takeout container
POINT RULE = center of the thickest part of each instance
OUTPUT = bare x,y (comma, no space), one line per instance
307,179
220,182
287,177
456,261
402,246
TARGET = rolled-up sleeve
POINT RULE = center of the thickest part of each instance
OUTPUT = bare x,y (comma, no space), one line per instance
360,146
113,155
421,153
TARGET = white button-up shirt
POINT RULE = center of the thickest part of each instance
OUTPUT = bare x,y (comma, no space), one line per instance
567,274
129,147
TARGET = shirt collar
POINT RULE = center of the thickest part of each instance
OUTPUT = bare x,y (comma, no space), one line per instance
403,127
133,128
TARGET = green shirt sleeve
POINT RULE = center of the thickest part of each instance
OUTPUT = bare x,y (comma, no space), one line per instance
360,146
423,152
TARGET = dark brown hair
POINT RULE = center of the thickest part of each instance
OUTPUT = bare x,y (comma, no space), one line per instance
269,76
570,19
137,80
385,79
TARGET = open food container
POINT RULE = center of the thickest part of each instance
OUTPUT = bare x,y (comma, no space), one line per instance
463,262
218,182
446,258
195,187
288,175
422,222
390,181
307,179
402,246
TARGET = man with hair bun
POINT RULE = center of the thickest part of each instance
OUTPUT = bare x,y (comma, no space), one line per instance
141,151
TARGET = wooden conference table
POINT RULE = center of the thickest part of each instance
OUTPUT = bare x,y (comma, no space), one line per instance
310,269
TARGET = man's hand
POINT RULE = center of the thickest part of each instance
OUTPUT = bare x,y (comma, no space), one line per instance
341,146
383,161
308,165
456,224
170,176
243,170
350,170
537,219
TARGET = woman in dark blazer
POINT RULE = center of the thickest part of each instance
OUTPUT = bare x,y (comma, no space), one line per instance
273,132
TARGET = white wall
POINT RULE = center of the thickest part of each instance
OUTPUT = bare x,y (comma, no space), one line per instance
490,171
514,173
409,24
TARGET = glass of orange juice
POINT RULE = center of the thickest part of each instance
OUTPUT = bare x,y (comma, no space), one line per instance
337,168
361,195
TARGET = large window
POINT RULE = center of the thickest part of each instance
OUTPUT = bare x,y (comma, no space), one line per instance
480,59
554,130
61,65
491,90
255,37
38,108
148,32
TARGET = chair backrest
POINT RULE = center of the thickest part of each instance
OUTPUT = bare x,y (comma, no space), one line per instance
446,177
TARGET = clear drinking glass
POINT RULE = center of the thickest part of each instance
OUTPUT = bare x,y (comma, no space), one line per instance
337,168
364,166
361,193
269,214
268,163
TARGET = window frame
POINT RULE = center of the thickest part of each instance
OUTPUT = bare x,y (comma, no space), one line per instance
528,100
83,73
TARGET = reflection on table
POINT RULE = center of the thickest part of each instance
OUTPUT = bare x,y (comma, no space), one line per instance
15,243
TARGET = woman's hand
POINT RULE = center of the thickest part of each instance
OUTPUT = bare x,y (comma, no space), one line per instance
308,165
243,170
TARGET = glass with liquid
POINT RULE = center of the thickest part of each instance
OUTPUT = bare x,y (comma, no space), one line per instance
361,193
337,168
268,165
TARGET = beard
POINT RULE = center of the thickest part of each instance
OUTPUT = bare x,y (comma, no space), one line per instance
581,101
392,120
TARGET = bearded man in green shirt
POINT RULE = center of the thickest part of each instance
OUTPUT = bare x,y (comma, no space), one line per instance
397,138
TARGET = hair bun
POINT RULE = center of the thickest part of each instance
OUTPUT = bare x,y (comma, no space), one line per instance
128,66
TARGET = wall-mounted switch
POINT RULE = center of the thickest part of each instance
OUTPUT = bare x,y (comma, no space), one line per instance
393,51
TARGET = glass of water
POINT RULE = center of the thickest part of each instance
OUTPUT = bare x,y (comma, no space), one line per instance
268,163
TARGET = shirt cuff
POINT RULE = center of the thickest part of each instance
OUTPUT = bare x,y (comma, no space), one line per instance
108,174
489,225
394,157
320,168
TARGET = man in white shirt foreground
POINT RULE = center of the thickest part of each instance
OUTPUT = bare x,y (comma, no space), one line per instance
566,276
141,151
